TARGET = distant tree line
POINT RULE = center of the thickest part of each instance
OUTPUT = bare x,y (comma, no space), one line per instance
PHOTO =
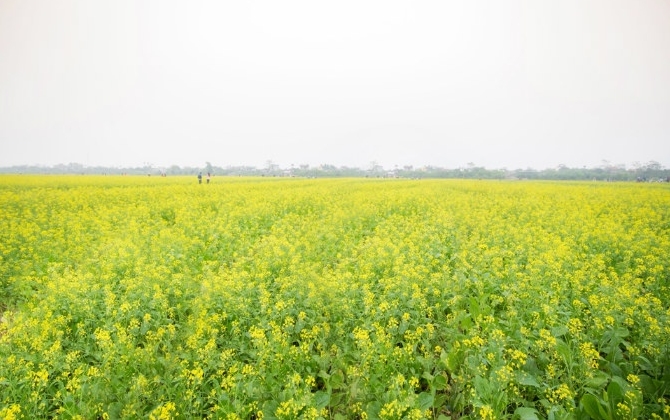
648,172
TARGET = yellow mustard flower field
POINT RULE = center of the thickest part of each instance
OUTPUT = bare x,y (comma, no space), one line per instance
264,298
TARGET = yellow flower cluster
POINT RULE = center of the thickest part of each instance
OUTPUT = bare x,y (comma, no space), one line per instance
165,411
589,354
158,297
560,394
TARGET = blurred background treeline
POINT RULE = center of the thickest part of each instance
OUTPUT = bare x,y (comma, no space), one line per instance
648,172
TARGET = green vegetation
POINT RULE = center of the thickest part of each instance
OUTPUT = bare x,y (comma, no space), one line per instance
150,297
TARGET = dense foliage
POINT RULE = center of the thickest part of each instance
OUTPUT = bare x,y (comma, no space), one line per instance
149,297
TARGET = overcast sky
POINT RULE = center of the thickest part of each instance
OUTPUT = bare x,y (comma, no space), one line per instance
515,83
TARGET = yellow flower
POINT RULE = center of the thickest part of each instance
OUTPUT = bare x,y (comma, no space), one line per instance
633,379
165,411
12,412
486,413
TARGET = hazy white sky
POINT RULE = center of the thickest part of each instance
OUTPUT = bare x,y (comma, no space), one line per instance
513,83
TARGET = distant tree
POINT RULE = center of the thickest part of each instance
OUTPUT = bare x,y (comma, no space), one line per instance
174,170
652,165
272,168
375,168
652,170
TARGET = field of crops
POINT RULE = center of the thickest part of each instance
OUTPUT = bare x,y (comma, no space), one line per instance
149,297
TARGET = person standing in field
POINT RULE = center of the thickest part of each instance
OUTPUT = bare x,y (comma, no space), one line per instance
209,176
200,178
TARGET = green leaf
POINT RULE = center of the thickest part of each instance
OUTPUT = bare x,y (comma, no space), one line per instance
440,399
563,350
336,399
525,378
336,379
474,307
321,399
648,385
591,406
372,409
466,323
451,360
481,385
614,368
440,382
598,381
458,402
526,413
644,363
559,331
425,401
614,393
621,332
269,408
605,413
